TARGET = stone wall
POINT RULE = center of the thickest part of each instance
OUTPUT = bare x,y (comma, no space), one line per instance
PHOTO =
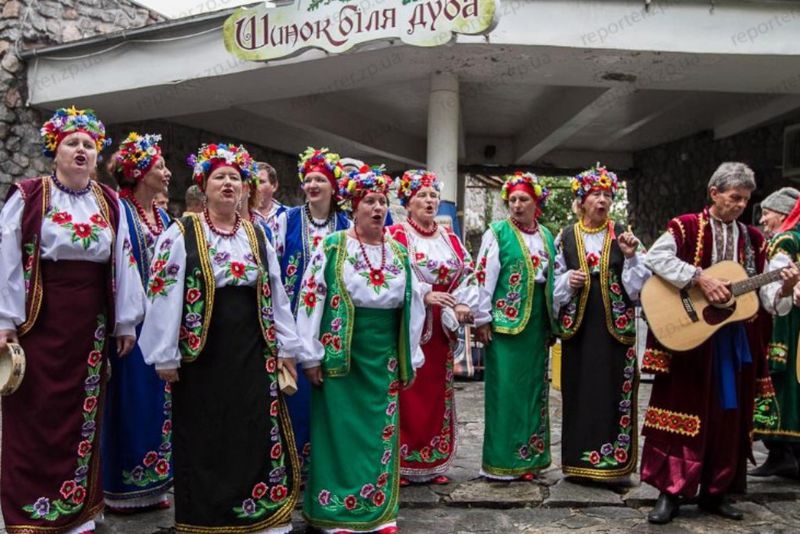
671,179
178,141
33,24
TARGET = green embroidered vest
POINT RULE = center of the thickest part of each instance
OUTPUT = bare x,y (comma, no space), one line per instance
784,340
200,286
513,294
336,328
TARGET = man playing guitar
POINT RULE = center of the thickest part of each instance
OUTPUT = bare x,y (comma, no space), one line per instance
697,425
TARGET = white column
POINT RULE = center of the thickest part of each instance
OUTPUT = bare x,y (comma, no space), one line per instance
443,113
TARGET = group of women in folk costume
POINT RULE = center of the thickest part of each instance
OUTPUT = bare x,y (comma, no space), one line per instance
580,287
223,314
71,283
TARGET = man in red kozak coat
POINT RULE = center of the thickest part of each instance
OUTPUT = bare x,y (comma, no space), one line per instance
697,426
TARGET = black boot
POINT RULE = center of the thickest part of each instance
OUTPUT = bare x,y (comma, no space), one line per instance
665,509
719,505
780,462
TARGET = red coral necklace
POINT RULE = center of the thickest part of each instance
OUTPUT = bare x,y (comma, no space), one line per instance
219,232
375,275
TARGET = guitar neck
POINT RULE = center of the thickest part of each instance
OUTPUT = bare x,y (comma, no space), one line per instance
754,282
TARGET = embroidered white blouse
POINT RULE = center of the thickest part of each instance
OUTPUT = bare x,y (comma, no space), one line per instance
72,229
386,292
233,264
489,270
634,271
315,233
435,261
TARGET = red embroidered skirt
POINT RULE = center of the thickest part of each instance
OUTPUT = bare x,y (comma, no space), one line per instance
50,480
427,409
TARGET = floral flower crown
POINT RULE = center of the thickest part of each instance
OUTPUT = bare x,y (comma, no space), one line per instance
136,156
356,184
321,160
413,180
220,153
540,192
70,120
598,177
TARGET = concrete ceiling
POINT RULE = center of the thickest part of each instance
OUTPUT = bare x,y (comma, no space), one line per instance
535,104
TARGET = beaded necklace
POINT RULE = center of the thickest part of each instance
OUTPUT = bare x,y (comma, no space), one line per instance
525,229
68,190
219,232
373,272
420,230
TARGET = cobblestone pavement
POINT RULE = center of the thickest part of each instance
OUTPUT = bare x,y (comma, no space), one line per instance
552,504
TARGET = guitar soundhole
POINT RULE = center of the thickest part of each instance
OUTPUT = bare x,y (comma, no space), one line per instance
713,315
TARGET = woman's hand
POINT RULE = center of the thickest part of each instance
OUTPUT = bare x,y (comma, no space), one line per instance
484,333
577,279
314,375
170,375
290,365
790,276
125,345
463,314
628,243
6,337
439,298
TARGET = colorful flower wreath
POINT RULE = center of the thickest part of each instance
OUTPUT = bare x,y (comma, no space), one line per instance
412,181
525,181
320,160
136,156
597,177
356,184
66,121
209,157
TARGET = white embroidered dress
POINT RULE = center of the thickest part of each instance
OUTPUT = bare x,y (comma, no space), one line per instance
233,264
364,292
489,270
72,229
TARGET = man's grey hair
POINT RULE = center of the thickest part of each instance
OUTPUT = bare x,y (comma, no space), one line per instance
194,196
732,174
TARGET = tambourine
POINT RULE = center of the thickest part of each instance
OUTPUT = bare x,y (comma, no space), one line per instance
12,368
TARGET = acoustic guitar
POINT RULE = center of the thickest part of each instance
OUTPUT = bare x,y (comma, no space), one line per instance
682,319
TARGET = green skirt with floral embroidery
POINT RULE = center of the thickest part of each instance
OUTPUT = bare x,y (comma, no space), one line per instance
516,437
353,480
783,424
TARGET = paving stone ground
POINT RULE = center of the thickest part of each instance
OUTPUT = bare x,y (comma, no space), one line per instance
552,504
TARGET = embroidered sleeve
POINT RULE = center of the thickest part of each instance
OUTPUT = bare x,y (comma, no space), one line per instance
129,302
418,292
486,273
634,274
14,275
467,291
662,259
288,341
165,292
562,292
770,293
313,291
